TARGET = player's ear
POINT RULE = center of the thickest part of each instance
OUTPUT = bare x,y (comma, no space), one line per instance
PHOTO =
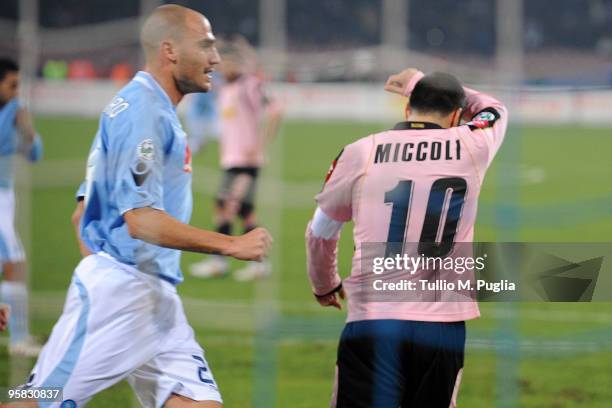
407,111
168,49
456,117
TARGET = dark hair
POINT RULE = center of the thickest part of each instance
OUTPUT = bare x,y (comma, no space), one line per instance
7,65
437,93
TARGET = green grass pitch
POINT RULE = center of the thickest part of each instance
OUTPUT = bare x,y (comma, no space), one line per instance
269,344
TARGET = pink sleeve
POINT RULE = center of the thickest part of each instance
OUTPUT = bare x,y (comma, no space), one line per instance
412,83
336,198
487,117
322,264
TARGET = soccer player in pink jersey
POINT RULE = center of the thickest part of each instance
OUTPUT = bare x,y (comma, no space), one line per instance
249,121
416,183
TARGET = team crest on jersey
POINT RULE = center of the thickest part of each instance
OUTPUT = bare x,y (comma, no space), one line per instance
143,162
146,150
117,105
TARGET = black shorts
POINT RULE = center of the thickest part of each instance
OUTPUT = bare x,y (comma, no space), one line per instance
399,363
246,197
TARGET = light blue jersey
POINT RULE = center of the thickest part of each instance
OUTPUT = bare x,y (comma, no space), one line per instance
139,158
11,144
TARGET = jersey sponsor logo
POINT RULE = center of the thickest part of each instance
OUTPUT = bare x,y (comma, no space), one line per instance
333,166
117,105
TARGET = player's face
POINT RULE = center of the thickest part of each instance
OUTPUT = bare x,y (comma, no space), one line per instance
197,57
9,87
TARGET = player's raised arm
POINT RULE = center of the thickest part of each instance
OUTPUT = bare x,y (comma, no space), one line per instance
487,115
481,112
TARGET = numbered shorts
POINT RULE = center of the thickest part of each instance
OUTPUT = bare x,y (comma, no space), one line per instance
238,189
119,323
399,363
11,249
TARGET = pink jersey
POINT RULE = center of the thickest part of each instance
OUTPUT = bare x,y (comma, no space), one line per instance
242,103
422,163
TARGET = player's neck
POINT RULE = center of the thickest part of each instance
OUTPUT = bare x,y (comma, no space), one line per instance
419,117
168,85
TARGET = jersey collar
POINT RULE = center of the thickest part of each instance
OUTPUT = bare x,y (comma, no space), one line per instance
410,125
147,80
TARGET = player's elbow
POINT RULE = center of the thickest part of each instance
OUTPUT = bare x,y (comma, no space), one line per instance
75,218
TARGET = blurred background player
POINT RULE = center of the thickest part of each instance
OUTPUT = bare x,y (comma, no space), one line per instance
249,122
409,353
202,116
17,137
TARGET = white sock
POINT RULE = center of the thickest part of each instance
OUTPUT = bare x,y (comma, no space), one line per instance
15,294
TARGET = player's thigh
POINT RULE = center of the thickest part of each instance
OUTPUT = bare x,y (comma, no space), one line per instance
369,367
111,324
180,368
435,363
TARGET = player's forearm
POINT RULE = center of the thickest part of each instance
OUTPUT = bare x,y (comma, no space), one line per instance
322,264
159,228
478,101
414,79
25,126
34,150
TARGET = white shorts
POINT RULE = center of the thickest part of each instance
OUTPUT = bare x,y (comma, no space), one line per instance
119,323
11,249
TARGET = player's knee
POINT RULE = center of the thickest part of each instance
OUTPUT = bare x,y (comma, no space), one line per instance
23,404
246,211
224,227
178,401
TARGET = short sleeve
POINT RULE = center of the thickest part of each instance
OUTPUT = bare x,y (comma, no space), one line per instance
136,151
80,194
336,198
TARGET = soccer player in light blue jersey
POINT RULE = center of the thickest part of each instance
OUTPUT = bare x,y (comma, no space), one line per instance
123,318
17,137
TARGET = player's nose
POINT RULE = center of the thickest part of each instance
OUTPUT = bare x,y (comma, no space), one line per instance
215,58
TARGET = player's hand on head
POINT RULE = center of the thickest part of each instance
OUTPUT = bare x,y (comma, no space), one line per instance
252,246
396,83
332,299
